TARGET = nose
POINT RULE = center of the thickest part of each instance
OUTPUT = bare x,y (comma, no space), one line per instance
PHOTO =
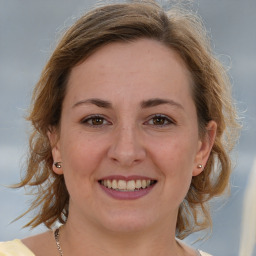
126,148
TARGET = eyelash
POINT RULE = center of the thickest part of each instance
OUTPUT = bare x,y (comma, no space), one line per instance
89,121
166,119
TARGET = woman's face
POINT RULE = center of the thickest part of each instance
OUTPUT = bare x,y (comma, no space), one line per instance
129,142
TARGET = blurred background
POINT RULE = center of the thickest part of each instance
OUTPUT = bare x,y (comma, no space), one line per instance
29,31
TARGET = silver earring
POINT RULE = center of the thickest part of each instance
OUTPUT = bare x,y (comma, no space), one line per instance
199,166
57,164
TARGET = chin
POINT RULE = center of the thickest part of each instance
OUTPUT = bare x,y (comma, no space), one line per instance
126,223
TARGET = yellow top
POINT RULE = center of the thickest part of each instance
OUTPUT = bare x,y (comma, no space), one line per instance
201,252
14,248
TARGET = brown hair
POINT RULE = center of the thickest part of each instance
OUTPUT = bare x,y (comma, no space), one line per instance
177,29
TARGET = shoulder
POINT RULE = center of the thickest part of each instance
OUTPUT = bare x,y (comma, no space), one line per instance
41,244
191,251
204,253
14,248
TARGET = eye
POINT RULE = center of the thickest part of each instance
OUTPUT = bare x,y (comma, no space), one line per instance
95,120
160,120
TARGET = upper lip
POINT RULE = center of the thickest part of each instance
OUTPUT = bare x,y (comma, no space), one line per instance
126,178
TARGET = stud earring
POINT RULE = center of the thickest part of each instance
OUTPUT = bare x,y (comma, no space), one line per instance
57,164
199,166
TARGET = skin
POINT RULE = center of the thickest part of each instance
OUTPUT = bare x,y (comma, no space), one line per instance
127,139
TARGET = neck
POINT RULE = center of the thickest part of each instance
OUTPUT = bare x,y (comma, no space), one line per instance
83,238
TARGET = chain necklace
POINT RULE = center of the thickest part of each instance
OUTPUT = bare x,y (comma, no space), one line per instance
57,240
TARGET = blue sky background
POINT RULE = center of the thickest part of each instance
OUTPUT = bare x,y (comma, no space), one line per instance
28,33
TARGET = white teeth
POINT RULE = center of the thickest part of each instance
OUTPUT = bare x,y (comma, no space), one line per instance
138,184
109,184
143,183
114,184
130,185
122,185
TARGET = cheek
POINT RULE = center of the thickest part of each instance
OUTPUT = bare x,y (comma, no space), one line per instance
175,161
80,150
176,155
81,157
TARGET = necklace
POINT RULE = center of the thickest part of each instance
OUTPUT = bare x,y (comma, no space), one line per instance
57,240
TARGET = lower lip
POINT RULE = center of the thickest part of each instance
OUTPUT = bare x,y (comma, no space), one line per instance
127,195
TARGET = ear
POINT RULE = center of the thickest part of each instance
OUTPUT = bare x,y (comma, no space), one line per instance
205,145
53,136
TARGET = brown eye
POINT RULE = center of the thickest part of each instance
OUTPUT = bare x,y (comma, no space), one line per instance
95,121
159,120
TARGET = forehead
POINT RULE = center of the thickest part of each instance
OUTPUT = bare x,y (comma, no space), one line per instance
144,66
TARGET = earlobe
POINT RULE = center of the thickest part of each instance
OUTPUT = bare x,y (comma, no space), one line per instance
57,163
204,148
57,168
56,155
199,168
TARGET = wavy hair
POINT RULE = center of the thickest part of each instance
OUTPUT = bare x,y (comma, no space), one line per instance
180,30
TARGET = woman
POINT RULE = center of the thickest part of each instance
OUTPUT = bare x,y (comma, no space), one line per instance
133,123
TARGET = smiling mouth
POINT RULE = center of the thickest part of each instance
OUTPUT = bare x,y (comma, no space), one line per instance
127,186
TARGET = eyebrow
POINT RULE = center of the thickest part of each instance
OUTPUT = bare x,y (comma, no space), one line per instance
98,102
156,102
144,104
